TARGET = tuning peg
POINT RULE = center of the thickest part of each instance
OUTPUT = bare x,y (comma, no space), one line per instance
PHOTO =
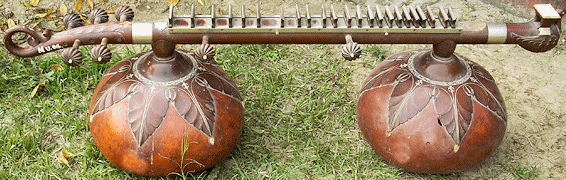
351,50
205,52
124,13
72,21
101,53
72,56
98,16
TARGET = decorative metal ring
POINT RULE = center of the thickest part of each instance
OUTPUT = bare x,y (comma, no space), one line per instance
411,67
142,78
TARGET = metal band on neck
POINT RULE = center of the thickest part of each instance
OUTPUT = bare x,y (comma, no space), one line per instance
142,32
497,33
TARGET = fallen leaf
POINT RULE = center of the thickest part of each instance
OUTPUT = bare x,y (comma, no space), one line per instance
252,10
63,156
59,27
63,10
79,5
57,67
1,4
90,4
26,4
201,2
34,3
11,23
66,153
173,2
36,24
529,92
84,19
42,15
35,90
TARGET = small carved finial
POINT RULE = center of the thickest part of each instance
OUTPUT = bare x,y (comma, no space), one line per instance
72,21
124,13
98,16
205,51
72,56
351,50
101,53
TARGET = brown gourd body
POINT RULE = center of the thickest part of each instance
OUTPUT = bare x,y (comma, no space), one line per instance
157,117
428,124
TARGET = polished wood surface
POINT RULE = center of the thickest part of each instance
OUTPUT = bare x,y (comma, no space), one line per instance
170,116
431,126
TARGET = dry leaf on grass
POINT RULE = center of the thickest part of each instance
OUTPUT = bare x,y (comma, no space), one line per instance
112,11
34,91
90,4
79,5
252,10
63,10
529,92
42,15
63,156
11,23
201,2
36,24
57,67
34,3
172,2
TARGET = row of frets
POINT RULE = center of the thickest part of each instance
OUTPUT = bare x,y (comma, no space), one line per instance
405,16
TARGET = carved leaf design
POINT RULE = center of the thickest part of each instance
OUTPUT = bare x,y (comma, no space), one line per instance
464,96
204,104
219,79
385,77
116,87
113,95
146,111
455,113
190,111
487,85
196,104
406,100
220,84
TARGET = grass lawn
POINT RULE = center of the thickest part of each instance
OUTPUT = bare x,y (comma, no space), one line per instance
299,122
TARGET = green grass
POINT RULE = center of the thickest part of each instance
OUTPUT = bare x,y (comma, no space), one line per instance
524,172
299,121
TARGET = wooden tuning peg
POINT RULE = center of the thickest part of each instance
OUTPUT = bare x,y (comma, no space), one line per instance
205,52
98,16
124,13
72,21
351,50
72,56
101,53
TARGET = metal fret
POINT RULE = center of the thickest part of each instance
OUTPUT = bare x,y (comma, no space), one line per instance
406,19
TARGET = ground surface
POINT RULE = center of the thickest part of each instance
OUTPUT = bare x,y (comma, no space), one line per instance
532,85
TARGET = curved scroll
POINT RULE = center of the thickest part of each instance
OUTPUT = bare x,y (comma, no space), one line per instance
538,43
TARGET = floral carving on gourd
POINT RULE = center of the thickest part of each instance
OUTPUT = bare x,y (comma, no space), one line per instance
149,104
453,104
